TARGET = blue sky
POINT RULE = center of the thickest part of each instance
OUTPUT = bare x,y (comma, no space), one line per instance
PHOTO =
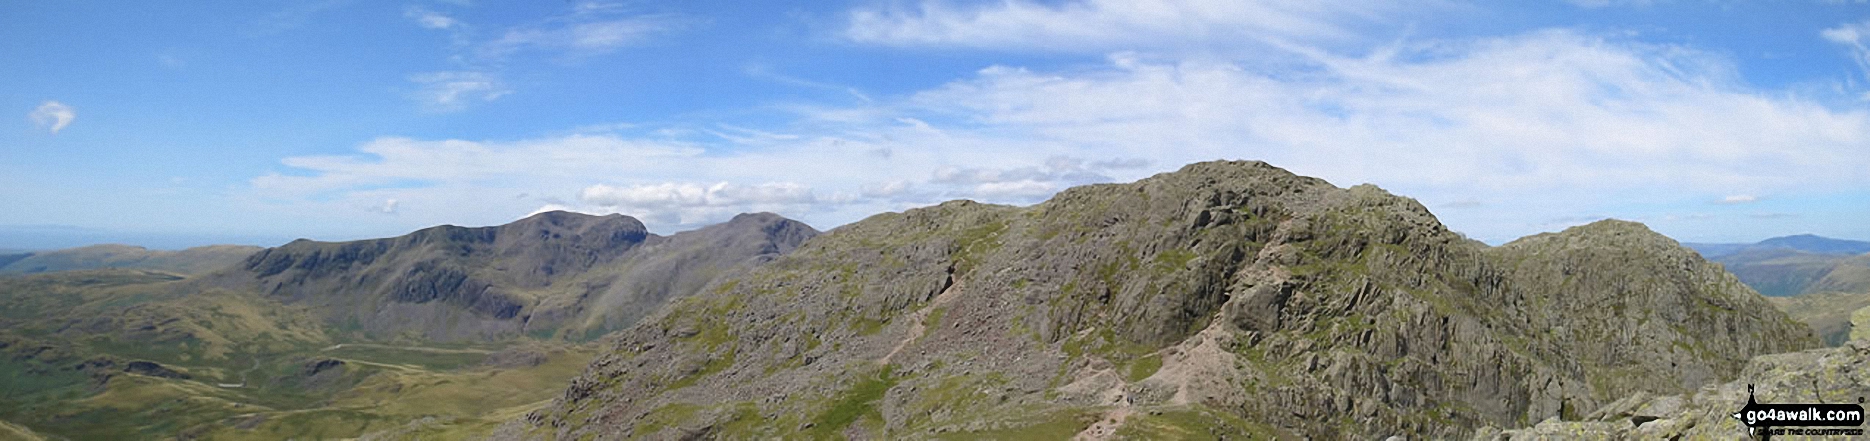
262,121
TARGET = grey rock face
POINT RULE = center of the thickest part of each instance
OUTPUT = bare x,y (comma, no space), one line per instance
1227,297
1830,375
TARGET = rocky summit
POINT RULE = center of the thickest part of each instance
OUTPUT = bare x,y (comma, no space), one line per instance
1227,299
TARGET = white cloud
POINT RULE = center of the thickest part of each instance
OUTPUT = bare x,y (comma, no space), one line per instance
1542,126
1738,199
53,116
684,203
388,207
1853,36
887,189
1023,189
1105,25
430,19
388,161
582,36
455,91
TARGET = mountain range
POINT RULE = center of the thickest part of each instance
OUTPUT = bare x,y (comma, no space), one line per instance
1226,300
336,340
1807,243
1795,265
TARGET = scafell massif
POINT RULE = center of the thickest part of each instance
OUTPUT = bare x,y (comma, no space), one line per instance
1227,299
551,273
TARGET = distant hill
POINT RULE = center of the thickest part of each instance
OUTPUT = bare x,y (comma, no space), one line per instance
1794,265
553,274
1779,271
196,260
1803,242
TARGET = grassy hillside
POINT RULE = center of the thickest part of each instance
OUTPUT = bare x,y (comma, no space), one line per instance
1828,313
190,261
1782,272
130,354
440,334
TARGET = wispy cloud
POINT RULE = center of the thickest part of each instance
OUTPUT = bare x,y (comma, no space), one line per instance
1106,25
53,116
581,36
430,19
766,72
1738,199
588,29
454,91
1853,36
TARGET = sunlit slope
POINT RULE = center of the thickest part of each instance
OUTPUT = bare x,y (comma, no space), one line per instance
1229,298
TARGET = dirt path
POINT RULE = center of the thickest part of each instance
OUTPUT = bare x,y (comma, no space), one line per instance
243,375
916,328
1105,427
408,348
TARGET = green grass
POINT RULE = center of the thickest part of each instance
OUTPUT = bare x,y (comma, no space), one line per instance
856,403
1144,367
1194,423
669,415
1058,424
867,326
1173,260
933,320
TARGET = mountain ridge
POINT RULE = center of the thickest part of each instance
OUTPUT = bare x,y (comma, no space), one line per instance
450,283
1161,306
1810,243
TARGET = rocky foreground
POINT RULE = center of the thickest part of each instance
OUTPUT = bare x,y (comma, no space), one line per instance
1227,299
1829,375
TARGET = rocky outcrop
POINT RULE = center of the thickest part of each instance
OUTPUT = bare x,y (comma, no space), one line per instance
555,273
1228,296
153,369
1860,324
1830,375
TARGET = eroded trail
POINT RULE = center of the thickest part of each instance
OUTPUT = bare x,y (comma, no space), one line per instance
243,375
917,320
1106,427
408,348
